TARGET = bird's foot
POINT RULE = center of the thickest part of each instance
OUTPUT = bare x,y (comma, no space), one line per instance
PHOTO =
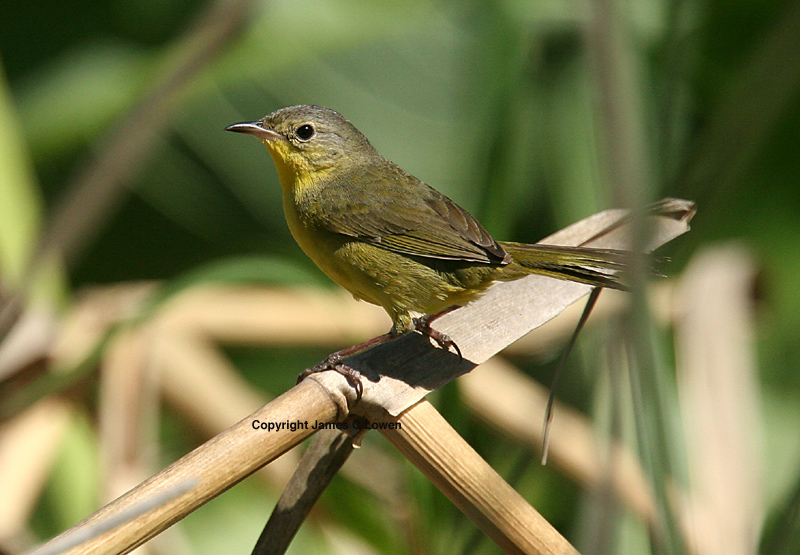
352,375
334,361
423,325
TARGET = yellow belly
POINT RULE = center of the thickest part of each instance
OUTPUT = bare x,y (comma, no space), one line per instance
403,286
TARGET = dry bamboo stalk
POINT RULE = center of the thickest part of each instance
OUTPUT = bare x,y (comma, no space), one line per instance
718,390
547,340
205,387
29,444
27,341
329,450
437,450
127,412
215,466
257,315
90,319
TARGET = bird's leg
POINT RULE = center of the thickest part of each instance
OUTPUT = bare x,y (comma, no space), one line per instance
337,357
334,361
423,325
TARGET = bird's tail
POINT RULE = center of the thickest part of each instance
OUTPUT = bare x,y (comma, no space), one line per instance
598,267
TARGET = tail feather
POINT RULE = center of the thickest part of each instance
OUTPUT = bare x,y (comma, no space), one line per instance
598,267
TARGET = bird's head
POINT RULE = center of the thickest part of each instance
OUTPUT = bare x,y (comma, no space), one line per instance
308,143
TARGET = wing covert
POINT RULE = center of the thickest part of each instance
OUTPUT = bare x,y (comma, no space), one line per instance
396,211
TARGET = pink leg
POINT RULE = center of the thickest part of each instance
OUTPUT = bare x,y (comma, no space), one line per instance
334,362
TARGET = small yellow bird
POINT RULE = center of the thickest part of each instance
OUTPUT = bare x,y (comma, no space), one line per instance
387,237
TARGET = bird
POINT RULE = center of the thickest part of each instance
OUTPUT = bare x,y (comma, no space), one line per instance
389,238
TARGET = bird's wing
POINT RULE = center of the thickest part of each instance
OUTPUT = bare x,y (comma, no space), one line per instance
396,211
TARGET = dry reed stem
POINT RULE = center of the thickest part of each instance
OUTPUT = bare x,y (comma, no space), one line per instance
323,459
27,341
127,413
91,317
204,386
548,339
213,467
436,449
29,444
274,316
718,390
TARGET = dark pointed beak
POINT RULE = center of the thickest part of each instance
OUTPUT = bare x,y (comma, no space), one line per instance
255,128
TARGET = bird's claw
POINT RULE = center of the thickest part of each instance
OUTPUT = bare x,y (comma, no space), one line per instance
423,325
444,342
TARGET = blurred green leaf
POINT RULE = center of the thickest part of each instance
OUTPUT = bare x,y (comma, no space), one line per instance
20,209
66,104
21,215
73,491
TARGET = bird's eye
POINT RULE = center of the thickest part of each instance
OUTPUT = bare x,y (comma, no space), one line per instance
305,132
